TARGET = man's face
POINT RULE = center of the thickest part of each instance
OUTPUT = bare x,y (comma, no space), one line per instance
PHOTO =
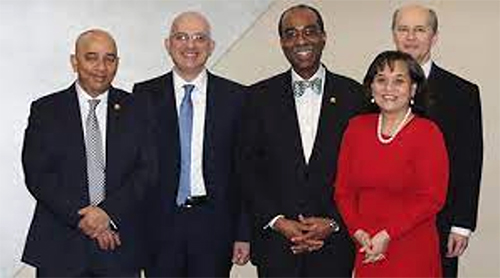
413,33
95,62
302,41
189,44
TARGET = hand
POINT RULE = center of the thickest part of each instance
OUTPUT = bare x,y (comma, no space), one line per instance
377,247
108,240
363,238
316,228
94,221
456,245
241,252
289,228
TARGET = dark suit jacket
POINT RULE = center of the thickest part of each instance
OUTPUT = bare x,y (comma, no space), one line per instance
54,164
275,176
224,224
456,108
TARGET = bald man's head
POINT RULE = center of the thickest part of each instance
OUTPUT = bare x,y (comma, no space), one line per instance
189,44
95,61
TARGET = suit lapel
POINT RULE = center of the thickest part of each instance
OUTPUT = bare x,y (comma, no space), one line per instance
288,118
114,152
326,122
213,99
74,139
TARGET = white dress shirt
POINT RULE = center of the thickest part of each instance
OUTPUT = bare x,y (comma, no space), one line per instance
101,113
308,111
199,99
426,67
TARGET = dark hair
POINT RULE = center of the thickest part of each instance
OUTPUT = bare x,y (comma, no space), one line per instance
302,6
417,76
433,19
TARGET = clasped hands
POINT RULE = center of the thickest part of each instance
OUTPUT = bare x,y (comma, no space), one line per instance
374,247
307,234
94,223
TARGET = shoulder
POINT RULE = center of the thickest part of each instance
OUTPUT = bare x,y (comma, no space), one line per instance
363,121
272,81
220,80
53,98
452,79
342,80
426,127
155,82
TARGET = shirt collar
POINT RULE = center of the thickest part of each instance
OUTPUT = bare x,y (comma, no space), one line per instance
320,73
426,67
199,82
84,97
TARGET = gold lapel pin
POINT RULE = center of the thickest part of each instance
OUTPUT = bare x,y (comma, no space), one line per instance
333,100
117,107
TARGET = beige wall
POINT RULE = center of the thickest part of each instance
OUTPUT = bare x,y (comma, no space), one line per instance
357,31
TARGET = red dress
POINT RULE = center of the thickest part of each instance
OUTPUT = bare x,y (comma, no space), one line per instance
399,187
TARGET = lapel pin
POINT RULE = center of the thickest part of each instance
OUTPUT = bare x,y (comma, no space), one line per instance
333,100
117,107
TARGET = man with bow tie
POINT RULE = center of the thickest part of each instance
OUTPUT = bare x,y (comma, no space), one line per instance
289,149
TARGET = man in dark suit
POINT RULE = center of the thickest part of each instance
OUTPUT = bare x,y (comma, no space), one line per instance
289,145
86,167
194,115
456,108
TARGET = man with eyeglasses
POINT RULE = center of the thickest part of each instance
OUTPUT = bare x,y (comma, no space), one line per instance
196,224
456,108
293,128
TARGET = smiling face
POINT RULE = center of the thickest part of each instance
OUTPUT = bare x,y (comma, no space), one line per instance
189,44
302,41
95,61
413,32
392,88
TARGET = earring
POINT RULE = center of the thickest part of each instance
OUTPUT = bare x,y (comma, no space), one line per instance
372,100
412,102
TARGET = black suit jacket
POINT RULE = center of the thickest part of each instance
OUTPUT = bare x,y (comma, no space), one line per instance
456,108
275,176
54,162
222,121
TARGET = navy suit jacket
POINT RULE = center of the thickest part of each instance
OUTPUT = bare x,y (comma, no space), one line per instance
274,173
456,108
222,121
54,162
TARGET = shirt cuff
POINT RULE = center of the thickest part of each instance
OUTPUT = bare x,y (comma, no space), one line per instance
461,231
271,223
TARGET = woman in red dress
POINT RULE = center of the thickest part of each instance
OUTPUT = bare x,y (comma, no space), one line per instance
393,175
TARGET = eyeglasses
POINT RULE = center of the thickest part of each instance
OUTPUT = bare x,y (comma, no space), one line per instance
417,30
309,33
198,38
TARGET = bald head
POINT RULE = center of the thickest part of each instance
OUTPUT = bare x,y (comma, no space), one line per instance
95,61
93,35
190,19
416,11
189,44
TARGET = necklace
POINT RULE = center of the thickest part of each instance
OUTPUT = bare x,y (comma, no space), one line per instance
383,140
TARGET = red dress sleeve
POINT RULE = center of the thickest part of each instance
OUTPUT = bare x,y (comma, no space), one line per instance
431,181
345,193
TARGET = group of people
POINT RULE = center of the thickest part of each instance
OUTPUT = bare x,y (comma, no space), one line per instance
307,173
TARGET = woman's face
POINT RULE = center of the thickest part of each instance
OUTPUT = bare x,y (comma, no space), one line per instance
392,89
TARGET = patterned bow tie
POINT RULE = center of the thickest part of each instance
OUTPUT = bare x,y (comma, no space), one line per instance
299,87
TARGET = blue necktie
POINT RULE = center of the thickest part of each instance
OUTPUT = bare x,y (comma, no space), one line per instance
185,133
